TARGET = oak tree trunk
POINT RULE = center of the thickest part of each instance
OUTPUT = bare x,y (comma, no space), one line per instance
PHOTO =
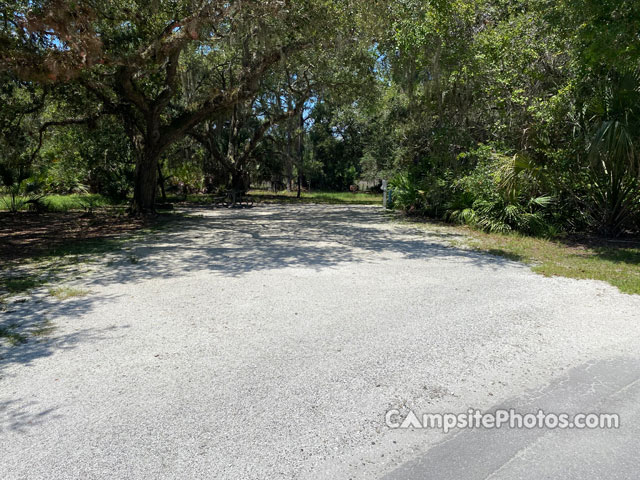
240,181
146,182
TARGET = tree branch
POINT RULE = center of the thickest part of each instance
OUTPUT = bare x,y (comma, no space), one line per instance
57,123
251,145
130,91
223,100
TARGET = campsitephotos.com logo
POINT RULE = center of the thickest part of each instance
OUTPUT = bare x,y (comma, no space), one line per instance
474,418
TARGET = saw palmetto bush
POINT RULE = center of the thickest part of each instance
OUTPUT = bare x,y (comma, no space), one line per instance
20,186
613,196
503,194
407,195
499,193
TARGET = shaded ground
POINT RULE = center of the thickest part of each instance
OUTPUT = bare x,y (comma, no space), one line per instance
270,342
595,241
25,234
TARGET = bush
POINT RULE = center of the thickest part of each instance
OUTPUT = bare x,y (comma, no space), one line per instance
498,194
407,196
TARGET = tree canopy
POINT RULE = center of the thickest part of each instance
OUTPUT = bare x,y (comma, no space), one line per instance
507,114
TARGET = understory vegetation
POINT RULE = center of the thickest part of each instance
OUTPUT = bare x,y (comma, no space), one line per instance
522,118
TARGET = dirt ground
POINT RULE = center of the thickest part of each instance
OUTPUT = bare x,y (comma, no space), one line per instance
24,234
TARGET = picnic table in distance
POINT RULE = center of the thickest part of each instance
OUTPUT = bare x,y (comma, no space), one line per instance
233,198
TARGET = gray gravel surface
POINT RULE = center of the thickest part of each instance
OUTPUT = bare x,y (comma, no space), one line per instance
270,342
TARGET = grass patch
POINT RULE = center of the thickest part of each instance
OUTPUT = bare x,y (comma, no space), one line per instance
16,285
45,329
63,293
588,258
11,336
267,196
618,265
64,203
336,198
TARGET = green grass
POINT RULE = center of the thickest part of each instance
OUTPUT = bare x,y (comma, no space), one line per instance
10,335
66,203
45,329
617,265
267,196
21,284
63,293
340,198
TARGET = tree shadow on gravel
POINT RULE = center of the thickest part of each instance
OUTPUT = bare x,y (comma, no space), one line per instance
237,242
33,322
233,243
21,415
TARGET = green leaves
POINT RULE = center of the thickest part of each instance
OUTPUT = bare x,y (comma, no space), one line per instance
602,32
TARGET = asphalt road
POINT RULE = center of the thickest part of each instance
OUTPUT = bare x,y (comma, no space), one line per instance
270,342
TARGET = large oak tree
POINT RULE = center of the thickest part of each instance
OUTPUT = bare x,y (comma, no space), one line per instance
127,56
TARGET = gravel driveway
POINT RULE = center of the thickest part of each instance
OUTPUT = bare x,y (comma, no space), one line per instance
268,343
